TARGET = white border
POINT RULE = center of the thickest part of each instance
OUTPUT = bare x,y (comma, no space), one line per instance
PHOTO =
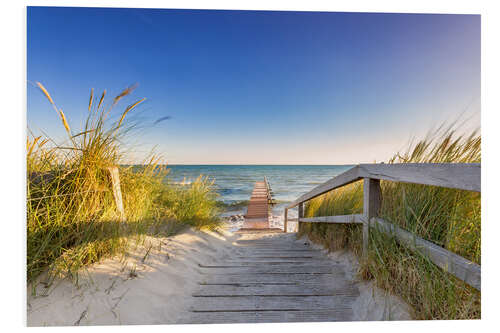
13,134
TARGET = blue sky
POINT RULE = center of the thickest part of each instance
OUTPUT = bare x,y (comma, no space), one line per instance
248,87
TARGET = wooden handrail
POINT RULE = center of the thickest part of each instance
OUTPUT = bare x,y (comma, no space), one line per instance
269,191
354,218
463,176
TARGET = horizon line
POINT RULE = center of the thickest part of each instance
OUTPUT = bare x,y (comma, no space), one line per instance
249,164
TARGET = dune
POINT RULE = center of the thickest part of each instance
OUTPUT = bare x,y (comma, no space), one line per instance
153,283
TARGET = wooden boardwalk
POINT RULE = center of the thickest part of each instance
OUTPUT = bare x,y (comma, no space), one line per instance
257,216
272,277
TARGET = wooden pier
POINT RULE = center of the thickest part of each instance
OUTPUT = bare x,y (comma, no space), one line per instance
257,216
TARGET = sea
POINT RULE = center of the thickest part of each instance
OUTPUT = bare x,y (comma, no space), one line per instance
234,184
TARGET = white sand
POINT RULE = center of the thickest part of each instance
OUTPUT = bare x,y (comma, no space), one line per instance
108,294
157,291
373,303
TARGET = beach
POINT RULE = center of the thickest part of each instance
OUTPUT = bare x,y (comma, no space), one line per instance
154,282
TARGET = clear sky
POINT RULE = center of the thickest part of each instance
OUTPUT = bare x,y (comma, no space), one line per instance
258,87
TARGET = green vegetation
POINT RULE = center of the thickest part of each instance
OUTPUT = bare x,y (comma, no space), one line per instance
450,218
72,220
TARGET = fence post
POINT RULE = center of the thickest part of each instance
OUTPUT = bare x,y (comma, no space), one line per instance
300,214
117,192
372,198
286,220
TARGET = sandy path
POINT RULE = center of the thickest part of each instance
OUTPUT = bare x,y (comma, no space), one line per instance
157,288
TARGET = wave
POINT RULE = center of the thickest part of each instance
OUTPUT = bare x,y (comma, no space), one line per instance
233,205
183,183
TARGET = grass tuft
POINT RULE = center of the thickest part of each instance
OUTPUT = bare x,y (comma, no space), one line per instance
449,218
71,216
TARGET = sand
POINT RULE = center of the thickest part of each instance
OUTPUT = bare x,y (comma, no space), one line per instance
373,303
153,284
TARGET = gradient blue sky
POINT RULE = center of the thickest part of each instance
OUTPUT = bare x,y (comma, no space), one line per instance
258,87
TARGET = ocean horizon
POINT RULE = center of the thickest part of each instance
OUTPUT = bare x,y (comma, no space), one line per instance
234,183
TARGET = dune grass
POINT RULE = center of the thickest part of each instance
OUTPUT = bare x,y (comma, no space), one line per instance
72,220
449,218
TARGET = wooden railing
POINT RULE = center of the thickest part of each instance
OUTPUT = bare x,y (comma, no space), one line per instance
450,175
270,199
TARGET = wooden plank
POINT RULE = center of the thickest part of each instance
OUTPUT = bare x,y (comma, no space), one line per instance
463,176
258,247
263,247
317,315
274,256
372,198
342,288
300,213
268,269
279,252
353,218
273,242
117,192
271,246
282,263
275,279
258,231
252,224
285,219
276,252
263,303
249,261
450,262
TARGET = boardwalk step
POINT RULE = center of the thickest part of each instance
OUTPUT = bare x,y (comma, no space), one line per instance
253,262
277,251
267,258
299,279
272,277
268,269
339,314
346,288
262,303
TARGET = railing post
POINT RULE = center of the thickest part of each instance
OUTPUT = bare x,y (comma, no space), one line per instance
300,214
372,198
286,220
117,192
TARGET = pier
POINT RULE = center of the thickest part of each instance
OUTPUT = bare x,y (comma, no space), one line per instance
259,208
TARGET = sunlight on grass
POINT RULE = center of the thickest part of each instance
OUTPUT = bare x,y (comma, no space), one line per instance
72,220
448,217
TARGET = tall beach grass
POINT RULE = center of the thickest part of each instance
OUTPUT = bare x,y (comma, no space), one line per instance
72,219
448,217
